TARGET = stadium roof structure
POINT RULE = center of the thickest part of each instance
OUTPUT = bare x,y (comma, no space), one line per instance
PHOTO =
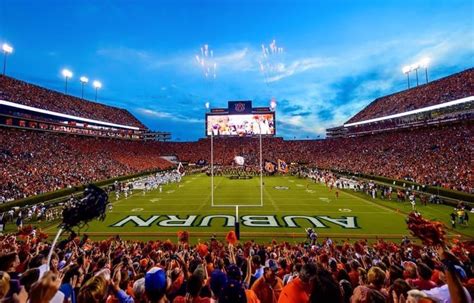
412,112
65,116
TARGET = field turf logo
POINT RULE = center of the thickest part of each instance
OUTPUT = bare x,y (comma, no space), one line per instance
347,222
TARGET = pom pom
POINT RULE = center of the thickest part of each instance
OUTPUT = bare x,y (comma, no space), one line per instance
25,231
231,238
358,248
202,250
41,235
183,236
429,232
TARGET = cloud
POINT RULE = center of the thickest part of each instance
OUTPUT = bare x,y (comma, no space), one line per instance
235,59
318,92
301,65
125,54
165,115
143,59
366,73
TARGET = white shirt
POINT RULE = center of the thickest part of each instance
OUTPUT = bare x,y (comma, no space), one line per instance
442,294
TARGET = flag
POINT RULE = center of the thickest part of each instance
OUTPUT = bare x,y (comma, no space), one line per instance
282,167
180,169
270,167
239,160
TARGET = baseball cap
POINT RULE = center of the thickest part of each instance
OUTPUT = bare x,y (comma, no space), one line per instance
272,265
461,272
155,281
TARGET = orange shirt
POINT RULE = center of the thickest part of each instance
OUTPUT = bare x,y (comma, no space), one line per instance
295,292
251,296
267,293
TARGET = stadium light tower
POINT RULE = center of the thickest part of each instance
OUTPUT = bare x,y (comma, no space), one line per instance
7,49
406,70
67,75
424,63
415,67
84,81
96,85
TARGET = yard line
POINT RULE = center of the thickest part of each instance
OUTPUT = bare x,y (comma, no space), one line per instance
389,210
208,198
275,206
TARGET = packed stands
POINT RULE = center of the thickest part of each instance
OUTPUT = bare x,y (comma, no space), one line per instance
432,155
35,162
437,155
116,270
21,92
450,88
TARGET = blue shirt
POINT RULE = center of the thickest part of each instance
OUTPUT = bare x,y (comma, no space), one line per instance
68,292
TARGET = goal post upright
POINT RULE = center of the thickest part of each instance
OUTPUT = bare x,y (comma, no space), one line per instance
236,206
212,168
261,167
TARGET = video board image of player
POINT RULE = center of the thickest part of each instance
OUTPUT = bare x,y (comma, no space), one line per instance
240,125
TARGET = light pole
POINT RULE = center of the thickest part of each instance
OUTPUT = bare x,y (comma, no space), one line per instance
96,85
406,70
67,75
424,63
415,67
84,81
7,49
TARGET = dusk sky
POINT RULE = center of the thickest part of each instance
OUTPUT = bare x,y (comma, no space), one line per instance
337,56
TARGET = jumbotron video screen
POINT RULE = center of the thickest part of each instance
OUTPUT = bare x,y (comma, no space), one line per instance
240,125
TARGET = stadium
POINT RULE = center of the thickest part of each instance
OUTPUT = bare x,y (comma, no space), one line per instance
97,206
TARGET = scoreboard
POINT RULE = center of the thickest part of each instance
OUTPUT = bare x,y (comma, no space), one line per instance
240,119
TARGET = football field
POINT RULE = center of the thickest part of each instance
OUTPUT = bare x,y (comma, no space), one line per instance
290,204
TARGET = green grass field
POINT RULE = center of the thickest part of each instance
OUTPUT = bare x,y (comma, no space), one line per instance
352,215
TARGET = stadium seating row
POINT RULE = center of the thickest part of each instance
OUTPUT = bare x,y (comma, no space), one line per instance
450,88
21,92
36,162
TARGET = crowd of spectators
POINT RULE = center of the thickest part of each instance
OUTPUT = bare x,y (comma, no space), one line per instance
450,88
434,155
21,92
221,271
36,162
33,162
